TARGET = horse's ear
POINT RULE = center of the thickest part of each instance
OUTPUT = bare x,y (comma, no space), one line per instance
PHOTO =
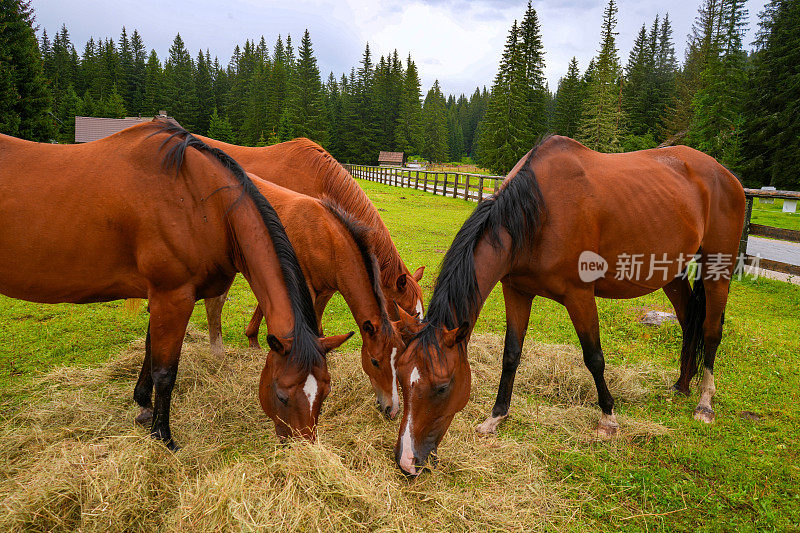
331,343
276,345
368,327
402,281
418,273
405,318
457,335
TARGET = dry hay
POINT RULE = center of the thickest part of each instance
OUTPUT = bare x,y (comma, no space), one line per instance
72,459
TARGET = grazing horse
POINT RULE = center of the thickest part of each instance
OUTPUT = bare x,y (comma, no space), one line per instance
305,167
121,218
335,252
567,224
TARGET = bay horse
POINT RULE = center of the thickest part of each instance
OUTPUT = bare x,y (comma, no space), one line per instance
152,212
335,253
564,225
303,166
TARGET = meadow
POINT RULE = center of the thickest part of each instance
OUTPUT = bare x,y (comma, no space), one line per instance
71,457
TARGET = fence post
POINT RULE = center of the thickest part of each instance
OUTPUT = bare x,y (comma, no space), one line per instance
416,180
466,189
746,229
480,189
425,177
435,181
456,175
495,185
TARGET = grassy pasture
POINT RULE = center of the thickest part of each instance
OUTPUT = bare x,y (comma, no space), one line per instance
772,215
70,457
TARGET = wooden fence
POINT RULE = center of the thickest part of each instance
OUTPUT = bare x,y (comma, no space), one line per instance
758,230
476,187
462,185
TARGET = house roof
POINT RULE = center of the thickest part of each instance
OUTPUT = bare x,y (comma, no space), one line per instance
390,157
93,128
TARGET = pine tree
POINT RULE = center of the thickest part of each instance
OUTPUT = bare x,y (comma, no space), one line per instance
455,134
305,105
136,77
204,86
219,128
771,137
569,102
408,131
25,99
69,106
112,105
434,115
602,114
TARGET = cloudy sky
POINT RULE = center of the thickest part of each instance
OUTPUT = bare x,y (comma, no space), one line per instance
457,41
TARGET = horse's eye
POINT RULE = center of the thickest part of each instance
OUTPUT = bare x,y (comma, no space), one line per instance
283,398
441,389
375,363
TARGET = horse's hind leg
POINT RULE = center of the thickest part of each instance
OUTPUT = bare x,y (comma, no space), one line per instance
214,316
169,316
143,392
518,311
251,332
716,299
679,293
583,313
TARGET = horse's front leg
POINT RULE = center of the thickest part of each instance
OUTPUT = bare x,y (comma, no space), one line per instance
214,316
518,312
143,392
583,313
169,315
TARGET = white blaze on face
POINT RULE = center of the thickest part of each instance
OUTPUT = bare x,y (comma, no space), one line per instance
395,394
310,388
419,309
406,443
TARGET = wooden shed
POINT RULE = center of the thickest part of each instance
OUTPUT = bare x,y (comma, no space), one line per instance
390,159
89,129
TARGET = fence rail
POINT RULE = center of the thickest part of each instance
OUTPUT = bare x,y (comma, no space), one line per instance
477,187
463,185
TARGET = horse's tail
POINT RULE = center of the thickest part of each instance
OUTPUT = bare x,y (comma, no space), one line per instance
692,355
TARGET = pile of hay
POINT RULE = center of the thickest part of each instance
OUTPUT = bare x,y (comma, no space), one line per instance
72,458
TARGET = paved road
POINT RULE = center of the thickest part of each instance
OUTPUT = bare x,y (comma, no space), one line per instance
783,251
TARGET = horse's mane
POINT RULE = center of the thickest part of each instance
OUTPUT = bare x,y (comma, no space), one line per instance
305,347
339,185
517,207
361,236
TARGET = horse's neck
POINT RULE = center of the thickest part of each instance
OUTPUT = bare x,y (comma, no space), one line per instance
491,264
255,257
354,283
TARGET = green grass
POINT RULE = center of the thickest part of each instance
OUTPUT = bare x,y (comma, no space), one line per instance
738,474
772,215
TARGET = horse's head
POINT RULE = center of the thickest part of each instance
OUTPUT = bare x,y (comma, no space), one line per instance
292,395
436,379
381,346
405,290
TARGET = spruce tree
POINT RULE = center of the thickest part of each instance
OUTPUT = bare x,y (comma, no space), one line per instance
602,114
153,95
305,104
434,116
25,99
219,128
179,88
569,102
771,137
718,105
408,131
204,86
532,50
504,134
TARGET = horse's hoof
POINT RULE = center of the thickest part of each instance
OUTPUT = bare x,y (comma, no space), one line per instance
172,446
704,414
145,416
254,344
678,390
607,429
489,426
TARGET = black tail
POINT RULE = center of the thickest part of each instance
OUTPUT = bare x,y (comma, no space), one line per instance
692,355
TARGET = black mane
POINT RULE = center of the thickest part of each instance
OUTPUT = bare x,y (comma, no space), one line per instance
360,234
306,350
517,207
